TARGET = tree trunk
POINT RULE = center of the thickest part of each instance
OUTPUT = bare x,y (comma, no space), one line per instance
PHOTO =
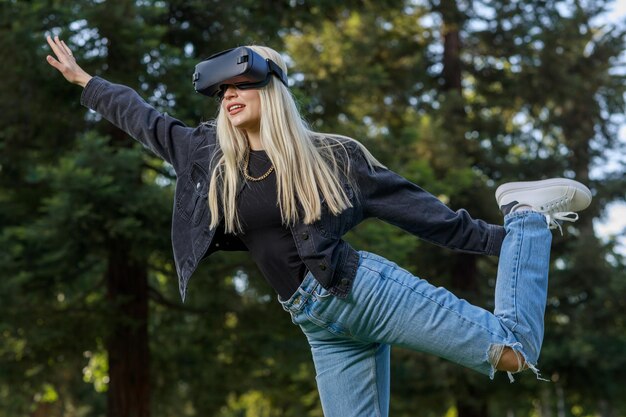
605,409
471,408
471,400
451,58
560,401
127,278
545,404
453,20
127,345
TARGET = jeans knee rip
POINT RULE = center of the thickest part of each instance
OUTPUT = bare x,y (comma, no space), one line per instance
495,353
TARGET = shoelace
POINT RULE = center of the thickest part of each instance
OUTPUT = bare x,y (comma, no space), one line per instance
555,214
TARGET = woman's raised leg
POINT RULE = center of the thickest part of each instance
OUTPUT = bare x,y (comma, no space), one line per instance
389,305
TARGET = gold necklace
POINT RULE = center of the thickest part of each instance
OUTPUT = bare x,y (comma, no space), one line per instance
251,178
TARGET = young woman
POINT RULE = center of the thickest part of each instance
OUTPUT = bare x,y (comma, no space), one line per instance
257,179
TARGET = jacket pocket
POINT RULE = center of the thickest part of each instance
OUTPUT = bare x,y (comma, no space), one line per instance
191,202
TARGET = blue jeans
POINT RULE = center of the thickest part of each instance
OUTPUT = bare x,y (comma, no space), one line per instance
350,338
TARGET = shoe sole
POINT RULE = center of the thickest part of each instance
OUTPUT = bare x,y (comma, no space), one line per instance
582,191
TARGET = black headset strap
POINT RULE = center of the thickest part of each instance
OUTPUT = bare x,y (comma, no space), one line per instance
274,68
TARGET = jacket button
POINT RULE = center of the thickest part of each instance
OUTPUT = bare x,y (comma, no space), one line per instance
345,282
323,267
305,236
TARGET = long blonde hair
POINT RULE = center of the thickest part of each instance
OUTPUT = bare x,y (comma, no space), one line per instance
305,162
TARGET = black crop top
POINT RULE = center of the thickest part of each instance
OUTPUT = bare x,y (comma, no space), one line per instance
270,242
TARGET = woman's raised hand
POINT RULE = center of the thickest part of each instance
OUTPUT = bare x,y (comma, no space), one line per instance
65,62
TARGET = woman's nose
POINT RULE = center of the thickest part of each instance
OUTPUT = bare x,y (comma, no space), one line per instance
230,91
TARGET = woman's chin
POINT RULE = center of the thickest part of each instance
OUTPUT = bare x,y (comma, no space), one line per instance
244,125
239,122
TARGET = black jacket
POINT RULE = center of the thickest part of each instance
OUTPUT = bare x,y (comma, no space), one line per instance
373,192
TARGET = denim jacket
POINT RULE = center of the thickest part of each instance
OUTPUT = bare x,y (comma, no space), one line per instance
374,192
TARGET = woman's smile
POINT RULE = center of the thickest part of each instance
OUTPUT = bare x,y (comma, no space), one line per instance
235,108
243,108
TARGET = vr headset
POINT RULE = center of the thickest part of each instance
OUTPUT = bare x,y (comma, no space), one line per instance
240,66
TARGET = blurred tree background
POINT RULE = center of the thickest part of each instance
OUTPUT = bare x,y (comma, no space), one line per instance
458,96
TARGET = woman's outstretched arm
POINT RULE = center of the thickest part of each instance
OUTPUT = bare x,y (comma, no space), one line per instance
392,198
164,135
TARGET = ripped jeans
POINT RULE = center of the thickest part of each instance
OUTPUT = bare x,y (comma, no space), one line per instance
350,338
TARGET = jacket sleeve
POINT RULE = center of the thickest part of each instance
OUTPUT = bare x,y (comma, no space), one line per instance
392,198
166,136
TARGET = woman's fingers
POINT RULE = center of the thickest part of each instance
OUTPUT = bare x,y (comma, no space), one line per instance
60,55
60,49
64,61
67,49
56,64
55,48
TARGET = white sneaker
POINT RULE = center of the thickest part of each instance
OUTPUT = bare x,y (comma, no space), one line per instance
558,198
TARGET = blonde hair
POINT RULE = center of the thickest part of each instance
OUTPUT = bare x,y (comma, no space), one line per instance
307,167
